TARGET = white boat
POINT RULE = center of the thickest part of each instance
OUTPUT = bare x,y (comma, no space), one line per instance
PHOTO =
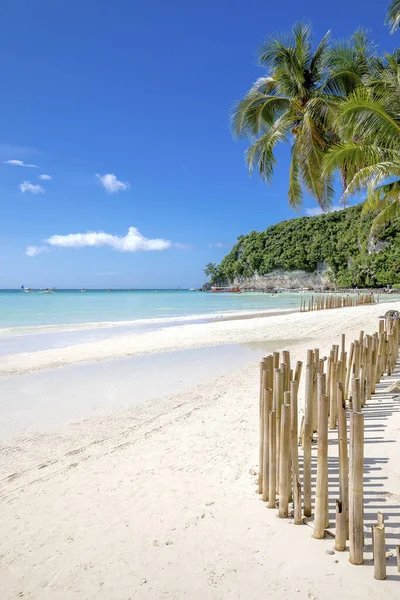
192,289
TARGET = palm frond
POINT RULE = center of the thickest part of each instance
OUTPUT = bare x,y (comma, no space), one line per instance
320,58
352,155
295,191
379,172
389,213
379,195
255,113
261,155
393,16
361,115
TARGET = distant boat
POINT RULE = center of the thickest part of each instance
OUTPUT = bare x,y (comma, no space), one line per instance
222,290
46,291
26,290
192,289
110,290
83,290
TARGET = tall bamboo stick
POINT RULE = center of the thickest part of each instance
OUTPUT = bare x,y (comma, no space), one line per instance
308,434
278,395
315,398
284,462
261,417
322,470
348,373
294,450
356,395
343,460
272,460
356,506
332,399
265,474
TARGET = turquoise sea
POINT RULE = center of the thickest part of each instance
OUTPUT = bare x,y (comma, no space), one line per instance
66,307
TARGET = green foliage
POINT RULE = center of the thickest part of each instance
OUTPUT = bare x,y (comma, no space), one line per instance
393,15
296,103
337,239
210,269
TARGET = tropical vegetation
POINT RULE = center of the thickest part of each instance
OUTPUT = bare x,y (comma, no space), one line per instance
339,242
337,107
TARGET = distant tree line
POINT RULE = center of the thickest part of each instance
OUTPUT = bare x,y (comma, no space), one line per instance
341,240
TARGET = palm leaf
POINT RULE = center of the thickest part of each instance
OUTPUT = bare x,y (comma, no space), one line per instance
393,16
390,212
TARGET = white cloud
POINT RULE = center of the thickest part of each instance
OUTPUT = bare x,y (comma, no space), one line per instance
111,184
18,163
134,241
32,188
45,177
217,245
313,212
35,250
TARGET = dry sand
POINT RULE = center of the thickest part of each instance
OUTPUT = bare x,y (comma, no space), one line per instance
158,501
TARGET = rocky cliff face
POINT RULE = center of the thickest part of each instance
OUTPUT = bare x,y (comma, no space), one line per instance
283,280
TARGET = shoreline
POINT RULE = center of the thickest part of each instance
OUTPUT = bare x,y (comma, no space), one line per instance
262,328
162,321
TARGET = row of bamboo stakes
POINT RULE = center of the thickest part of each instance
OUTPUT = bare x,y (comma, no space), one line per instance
337,387
334,301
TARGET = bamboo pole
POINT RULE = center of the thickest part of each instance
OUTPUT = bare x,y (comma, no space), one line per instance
340,533
398,557
322,470
284,463
287,400
261,417
343,460
374,352
379,369
356,508
348,373
379,552
368,366
328,380
356,367
332,399
294,451
308,434
297,371
315,397
272,460
286,358
356,395
265,474
278,389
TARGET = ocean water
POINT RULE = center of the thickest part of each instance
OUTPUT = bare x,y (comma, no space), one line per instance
70,307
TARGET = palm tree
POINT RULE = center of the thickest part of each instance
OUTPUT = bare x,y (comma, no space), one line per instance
296,102
369,122
393,15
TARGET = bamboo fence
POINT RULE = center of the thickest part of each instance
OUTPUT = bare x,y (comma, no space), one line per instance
336,391
323,302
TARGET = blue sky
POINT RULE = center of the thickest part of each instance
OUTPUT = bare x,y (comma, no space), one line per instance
139,89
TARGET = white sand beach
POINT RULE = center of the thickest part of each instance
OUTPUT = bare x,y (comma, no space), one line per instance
125,480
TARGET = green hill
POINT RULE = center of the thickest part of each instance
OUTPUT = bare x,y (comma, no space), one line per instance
339,241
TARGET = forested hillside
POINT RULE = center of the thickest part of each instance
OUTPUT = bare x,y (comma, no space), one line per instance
341,241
